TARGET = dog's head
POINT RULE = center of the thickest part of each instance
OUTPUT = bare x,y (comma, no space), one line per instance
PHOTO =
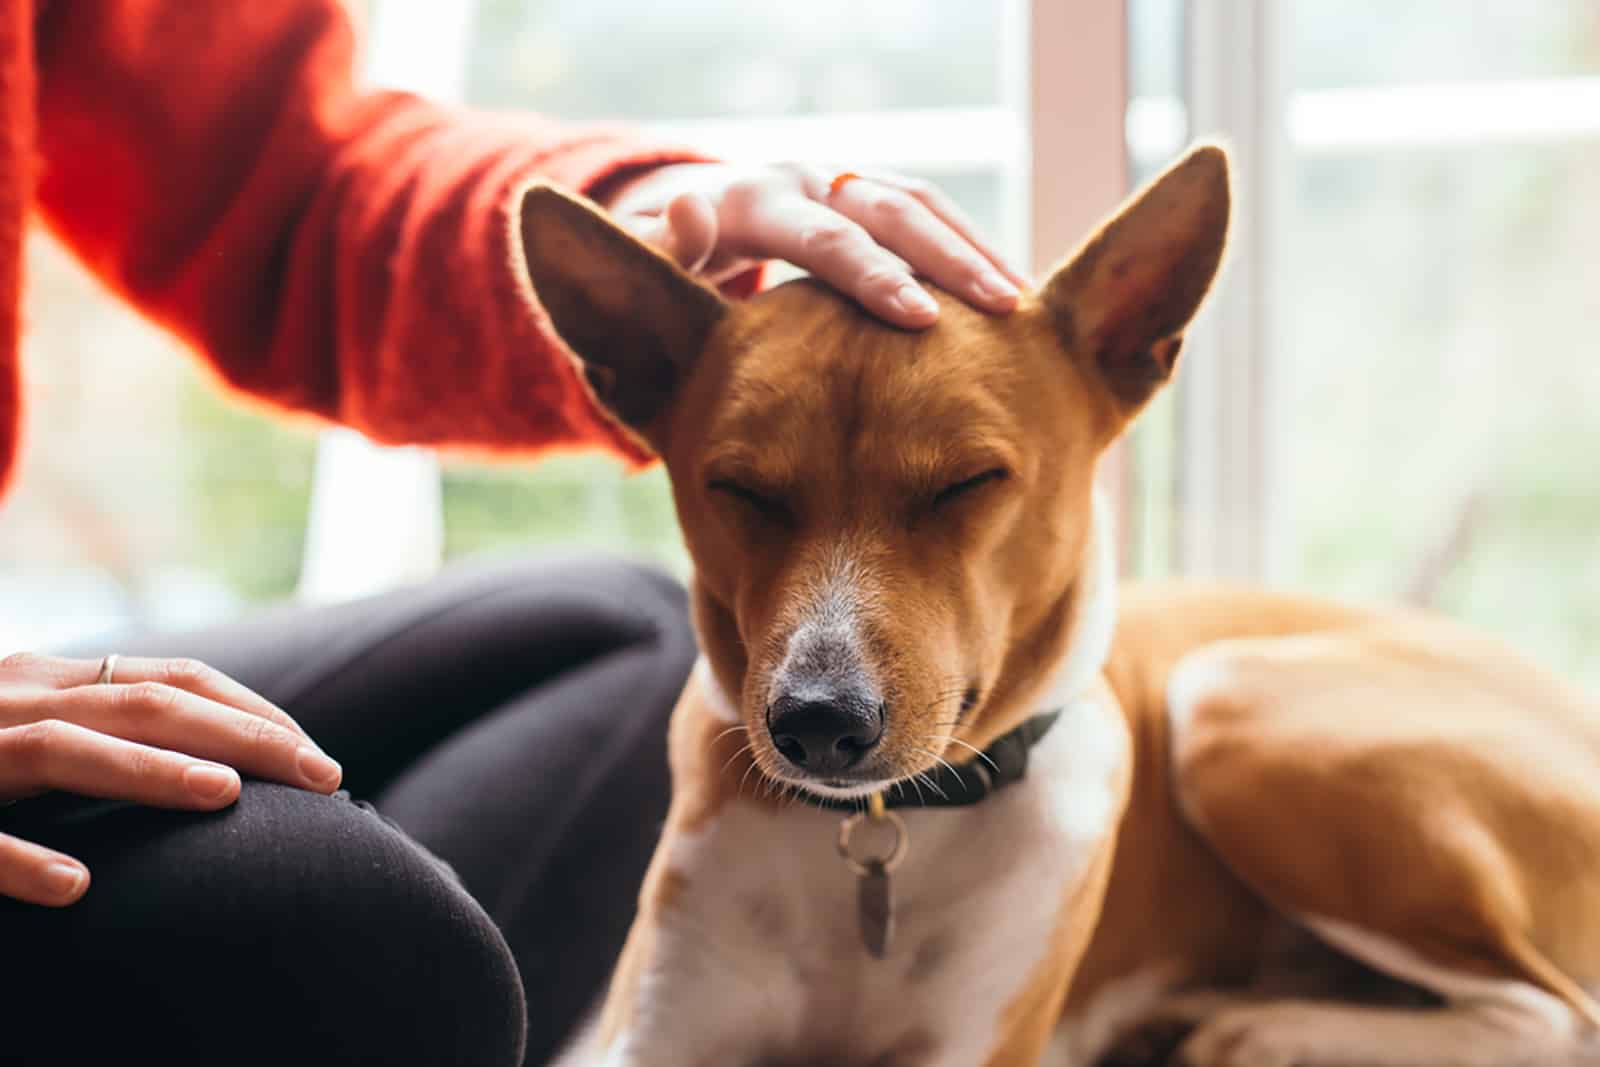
893,533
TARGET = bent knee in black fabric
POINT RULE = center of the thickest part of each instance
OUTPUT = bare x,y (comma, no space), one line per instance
289,928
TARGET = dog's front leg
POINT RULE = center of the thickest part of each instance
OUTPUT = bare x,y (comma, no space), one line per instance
676,998
1032,1020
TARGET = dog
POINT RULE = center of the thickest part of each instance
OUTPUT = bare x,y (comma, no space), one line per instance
945,794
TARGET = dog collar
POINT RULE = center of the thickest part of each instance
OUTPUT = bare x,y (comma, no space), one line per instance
956,786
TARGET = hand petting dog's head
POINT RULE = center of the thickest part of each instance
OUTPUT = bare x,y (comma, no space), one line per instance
892,532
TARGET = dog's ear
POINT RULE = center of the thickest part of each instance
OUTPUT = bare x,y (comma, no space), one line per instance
1124,298
635,319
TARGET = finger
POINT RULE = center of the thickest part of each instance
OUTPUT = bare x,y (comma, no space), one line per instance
938,202
55,755
692,221
686,232
186,674
175,719
39,875
907,227
835,249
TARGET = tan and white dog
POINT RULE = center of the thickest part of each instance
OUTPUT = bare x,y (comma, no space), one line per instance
1286,831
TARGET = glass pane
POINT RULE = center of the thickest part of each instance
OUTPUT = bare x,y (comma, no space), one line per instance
1437,327
146,497
641,59
1372,42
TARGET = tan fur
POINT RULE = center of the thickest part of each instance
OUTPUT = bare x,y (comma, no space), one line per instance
1289,761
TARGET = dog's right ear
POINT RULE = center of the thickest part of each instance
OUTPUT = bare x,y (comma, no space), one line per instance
1123,300
635,319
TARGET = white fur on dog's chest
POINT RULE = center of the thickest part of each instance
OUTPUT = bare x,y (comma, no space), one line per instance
759,959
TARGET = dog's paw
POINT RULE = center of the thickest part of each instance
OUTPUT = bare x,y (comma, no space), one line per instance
1265,1036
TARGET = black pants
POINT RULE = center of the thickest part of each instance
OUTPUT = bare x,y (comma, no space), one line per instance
511,720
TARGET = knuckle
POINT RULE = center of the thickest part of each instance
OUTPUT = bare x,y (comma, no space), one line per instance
894,211
266,734
144,762
743,195
22,663
30,747
881,281
186,672
829,238
150,697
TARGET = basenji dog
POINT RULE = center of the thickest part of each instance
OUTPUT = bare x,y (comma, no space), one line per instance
946,795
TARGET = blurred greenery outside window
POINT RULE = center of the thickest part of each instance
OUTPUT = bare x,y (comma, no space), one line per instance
1436,330
1436,287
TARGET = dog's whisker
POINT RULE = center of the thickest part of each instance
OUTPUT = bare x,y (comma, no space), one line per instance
975,751
917,785
747,770
934,786
746,747
732,729
925,777
934,755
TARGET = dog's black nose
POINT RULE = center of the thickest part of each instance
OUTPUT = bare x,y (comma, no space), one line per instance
825,733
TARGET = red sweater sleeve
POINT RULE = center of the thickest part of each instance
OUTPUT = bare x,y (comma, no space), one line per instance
342,253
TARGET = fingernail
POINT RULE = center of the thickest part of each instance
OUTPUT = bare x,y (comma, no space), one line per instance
316,768
995,289
913,301
64,879
208,781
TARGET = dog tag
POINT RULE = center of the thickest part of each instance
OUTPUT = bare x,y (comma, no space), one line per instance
875,902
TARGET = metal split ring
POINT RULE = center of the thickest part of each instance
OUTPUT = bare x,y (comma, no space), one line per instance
897,853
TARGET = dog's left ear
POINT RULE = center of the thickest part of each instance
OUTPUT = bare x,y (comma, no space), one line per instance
1124,298
634,317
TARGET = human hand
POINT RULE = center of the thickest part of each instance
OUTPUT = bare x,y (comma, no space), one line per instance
865,235
170,733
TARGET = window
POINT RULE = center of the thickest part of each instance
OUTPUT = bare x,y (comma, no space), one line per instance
1392,397
1440,291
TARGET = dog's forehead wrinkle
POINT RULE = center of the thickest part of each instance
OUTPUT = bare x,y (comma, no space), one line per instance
830,356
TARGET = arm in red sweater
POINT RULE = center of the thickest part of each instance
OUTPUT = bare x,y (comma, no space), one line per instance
343,253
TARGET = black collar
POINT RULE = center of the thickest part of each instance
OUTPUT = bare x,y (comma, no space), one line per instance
955,786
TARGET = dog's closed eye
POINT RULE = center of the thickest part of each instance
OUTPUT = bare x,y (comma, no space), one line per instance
951,493
767,507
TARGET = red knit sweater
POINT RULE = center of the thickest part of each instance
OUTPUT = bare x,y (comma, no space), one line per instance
336,252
